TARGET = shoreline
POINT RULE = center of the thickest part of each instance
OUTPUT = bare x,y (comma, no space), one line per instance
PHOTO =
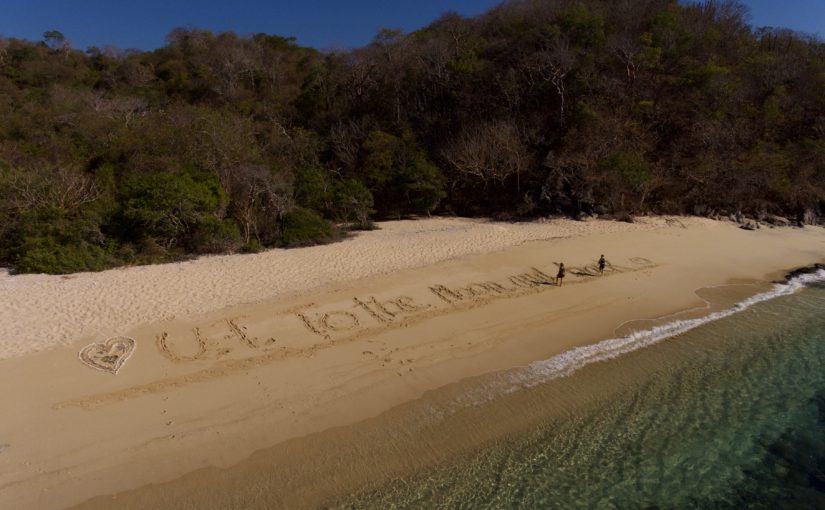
331,370
457,421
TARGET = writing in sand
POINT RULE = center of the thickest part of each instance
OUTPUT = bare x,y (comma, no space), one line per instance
308,328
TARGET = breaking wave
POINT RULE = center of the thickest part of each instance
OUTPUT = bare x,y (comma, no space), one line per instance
568,362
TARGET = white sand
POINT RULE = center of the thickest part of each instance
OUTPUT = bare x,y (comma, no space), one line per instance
38,312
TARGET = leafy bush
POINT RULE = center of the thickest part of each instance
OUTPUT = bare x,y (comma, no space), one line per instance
49,256
213,235
175,208
400,176
631,168
313,188
339,200
353,203
253,246
303,227
46,241
421,185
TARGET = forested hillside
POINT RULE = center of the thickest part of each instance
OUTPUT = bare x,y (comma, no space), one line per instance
220,142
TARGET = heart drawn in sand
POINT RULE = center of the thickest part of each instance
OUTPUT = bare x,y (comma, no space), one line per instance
108,356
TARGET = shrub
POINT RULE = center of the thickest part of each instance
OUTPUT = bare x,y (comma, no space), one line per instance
253,246
339,200
631,168
422,186
49,256
400,176
213,235
313,189
175,208
46,241
353,203
303,227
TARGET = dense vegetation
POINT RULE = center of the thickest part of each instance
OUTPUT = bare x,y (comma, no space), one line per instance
218,142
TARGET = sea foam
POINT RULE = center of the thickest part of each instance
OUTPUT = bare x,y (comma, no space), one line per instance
568,362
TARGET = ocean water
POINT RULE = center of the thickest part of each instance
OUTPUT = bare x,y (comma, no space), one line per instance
722,412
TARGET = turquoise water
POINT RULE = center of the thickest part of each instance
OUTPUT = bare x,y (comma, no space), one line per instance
728,414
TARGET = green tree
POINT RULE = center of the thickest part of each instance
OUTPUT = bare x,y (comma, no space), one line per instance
176,209
55,40
47,240
400,175
303,227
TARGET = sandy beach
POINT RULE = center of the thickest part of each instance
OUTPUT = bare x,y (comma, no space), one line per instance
41,311
220,357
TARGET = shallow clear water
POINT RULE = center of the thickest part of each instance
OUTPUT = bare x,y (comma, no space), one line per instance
730,414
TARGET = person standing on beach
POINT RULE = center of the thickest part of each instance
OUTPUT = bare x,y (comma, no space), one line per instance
602,263
560,275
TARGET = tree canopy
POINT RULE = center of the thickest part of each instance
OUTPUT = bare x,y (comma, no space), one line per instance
221,142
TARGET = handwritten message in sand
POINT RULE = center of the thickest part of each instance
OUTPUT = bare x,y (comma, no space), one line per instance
362,316
234,344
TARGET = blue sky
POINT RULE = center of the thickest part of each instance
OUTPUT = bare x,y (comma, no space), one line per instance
321,23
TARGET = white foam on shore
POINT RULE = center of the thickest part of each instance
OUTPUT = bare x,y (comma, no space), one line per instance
568,362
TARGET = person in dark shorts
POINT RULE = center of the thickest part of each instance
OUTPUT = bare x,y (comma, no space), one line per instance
602,263
560,275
